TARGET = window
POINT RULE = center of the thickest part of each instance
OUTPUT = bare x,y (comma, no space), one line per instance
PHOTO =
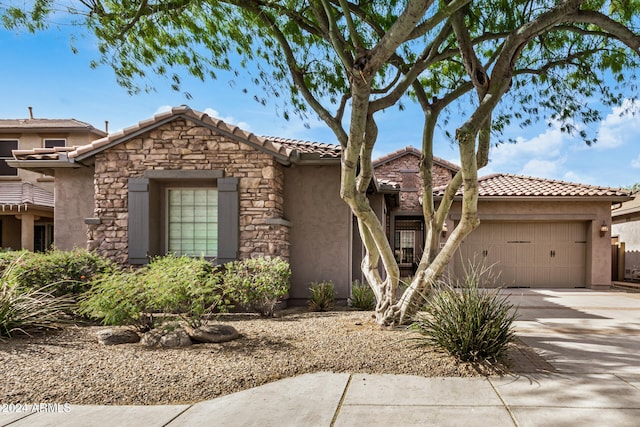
192,219
51,143
6,146
149,230
406,239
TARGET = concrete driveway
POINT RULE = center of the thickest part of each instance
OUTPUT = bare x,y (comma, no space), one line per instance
580,330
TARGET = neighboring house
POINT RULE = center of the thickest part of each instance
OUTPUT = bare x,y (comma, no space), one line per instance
626,228
183,182
26,197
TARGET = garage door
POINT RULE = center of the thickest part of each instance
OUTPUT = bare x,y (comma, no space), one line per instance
531,254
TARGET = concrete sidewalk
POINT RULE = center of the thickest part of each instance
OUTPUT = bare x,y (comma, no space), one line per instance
591,338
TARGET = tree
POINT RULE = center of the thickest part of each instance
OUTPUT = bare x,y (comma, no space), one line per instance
347,61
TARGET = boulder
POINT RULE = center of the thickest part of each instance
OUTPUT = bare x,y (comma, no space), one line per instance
213,333
117,336
166,339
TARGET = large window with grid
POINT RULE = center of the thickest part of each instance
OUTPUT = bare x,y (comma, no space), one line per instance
192,217
6,146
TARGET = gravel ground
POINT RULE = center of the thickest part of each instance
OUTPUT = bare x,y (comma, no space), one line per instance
70,366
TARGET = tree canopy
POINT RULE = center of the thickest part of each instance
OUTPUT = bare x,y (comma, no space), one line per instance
346,61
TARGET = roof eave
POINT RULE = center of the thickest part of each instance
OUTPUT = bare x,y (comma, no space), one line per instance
545,198
46,167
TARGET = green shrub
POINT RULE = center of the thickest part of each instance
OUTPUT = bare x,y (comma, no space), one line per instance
362,296
258,284
322,296
182,285
117,298
186,286
66,272
470,323
22,309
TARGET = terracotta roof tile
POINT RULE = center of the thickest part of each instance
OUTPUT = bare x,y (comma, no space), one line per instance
24,194
508,185
324,150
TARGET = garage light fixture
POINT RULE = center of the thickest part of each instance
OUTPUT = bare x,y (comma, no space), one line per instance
603,229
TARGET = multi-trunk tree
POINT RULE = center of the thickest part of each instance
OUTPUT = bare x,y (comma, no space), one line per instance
346,61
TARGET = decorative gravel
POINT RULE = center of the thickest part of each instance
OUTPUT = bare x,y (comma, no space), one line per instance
71,367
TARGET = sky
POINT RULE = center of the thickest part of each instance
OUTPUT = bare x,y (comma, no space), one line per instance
40,70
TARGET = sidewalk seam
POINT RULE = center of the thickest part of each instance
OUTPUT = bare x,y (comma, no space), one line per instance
506,406
344,395
178,415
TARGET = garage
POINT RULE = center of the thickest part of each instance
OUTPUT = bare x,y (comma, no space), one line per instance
530,254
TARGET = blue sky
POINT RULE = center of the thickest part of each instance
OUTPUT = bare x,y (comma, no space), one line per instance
41,71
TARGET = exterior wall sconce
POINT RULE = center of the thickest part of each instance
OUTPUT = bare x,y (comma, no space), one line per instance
603,229
445,230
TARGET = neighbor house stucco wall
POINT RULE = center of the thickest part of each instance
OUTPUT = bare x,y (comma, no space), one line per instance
320,230
74,202
592,213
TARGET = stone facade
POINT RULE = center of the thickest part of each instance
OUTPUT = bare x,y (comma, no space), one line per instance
182,145
405,171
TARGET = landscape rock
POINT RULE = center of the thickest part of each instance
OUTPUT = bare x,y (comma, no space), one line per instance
213,333
117,336
166,339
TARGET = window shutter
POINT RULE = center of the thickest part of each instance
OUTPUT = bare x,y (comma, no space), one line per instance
138,220
228,220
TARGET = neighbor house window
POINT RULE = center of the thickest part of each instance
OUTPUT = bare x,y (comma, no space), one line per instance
192,221
6,146
406,240
52,142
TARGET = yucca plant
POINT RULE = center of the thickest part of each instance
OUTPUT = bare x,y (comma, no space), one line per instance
362,296
22,309
467,321
322,296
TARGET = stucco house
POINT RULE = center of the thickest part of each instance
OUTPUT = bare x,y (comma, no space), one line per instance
187,183
626,232
26,197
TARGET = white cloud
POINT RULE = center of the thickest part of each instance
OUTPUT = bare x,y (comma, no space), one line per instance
542,168
620,126
529,155
635,163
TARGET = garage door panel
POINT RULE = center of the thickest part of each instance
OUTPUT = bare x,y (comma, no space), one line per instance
535,254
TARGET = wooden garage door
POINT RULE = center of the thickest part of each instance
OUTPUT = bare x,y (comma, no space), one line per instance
533,254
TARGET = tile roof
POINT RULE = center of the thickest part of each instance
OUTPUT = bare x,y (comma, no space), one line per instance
54,124
164,117
508,185
309,147
24,194
412,150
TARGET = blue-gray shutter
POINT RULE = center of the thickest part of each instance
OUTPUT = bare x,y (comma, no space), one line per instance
138,229
228,220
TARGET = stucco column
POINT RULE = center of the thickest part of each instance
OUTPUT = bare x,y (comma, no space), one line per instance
27,231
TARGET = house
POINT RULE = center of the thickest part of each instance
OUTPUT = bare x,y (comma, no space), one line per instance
183,182
626,232
26,197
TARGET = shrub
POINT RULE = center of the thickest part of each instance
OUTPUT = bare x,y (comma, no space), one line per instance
362,296
181,285
322,296
470,323
186,286
258,284
66,272
117,298
24,309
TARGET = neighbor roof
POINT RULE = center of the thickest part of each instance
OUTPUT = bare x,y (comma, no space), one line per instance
24,195
413,151
513,186
629,207
26,125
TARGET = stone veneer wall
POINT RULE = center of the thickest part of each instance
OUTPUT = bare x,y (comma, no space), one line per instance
405,171
181,145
